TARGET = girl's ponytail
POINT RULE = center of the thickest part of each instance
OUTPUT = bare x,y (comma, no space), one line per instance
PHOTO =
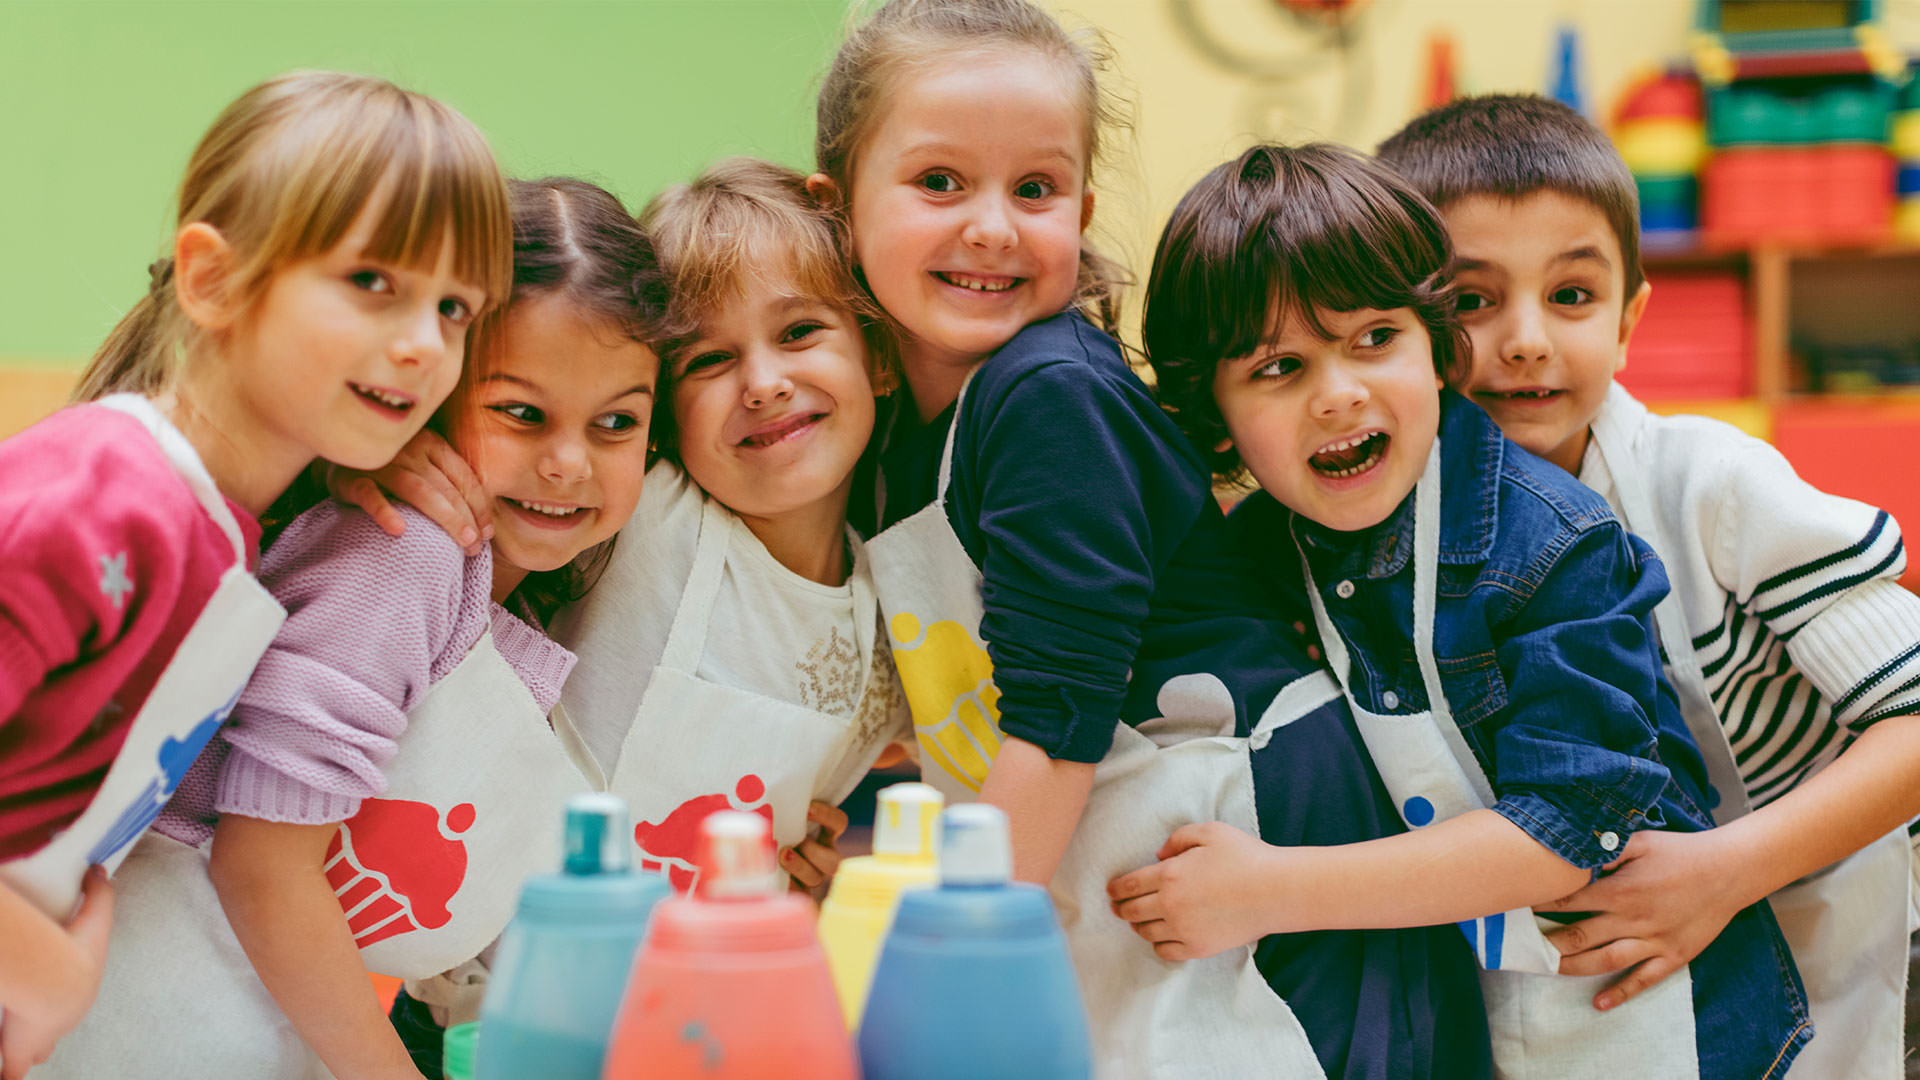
136,357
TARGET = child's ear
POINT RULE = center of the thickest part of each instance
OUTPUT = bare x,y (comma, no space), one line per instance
202,265
1086,210
1223,445
824,190
1630,318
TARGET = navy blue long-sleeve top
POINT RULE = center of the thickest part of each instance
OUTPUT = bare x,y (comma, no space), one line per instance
1106,565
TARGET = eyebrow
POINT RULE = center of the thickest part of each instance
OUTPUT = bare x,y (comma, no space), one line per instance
1583,254
944,148
501,376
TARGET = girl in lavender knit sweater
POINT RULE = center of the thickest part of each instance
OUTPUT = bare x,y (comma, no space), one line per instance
350,807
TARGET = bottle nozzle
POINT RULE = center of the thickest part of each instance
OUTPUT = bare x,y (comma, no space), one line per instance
596,841
736,856
904,821
974,849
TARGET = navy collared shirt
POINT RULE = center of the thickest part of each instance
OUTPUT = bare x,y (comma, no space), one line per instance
1543,635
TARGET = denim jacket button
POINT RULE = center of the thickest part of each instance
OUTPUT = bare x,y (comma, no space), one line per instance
1390,699
1344,590
1609,841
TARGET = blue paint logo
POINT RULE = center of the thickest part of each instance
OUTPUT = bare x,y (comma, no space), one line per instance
175,758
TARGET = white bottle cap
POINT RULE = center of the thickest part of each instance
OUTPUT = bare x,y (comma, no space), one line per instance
736,856
903,822
974,849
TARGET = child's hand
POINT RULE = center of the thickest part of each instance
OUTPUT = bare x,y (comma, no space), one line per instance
815,861
28,1036
1667,898
1200,899
890,755
430,475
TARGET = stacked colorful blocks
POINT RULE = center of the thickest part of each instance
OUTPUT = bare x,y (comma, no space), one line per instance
1906,151
1799,159
1661,135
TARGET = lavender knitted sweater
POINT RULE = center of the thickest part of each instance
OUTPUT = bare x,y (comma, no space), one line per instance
373,622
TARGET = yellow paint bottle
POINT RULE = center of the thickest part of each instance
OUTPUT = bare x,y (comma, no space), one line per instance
859,907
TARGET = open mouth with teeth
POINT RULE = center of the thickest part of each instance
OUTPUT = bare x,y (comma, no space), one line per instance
1350,457
555,511
783,431
994,283
384,399
1523,395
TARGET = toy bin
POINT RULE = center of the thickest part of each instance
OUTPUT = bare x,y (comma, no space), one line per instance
1693,343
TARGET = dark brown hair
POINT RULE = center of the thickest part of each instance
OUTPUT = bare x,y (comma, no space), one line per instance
574,240
1512,145
1286,230
905,35
744,220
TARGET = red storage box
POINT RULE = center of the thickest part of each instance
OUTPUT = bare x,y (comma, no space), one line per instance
1694,342
1864,449
1823,194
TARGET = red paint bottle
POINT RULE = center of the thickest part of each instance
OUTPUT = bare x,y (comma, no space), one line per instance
731,983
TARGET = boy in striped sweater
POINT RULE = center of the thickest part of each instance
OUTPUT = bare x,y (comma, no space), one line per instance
1787,636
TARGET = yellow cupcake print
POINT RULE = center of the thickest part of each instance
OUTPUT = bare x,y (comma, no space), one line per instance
948,679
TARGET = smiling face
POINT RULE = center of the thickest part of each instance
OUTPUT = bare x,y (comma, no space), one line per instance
1542,297
1337,430
968,200
773,402
344,357
556,428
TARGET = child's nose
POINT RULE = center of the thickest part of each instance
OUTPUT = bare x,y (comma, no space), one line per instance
1526,334
766,381
1337,391
417,339
989,225
566,460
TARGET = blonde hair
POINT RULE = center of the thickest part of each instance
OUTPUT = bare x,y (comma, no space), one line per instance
745,221
285,170
905,35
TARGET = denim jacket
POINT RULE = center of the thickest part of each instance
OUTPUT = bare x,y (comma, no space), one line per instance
1543,636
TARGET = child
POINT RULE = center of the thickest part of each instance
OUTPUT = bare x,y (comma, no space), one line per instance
337,236
1068,623
1489,619
732,654
392,755
1786,635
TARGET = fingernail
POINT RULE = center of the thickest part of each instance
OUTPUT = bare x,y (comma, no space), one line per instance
487,534
1605,1002
468,537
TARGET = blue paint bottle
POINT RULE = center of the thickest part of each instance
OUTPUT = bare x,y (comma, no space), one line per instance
564,958
974,978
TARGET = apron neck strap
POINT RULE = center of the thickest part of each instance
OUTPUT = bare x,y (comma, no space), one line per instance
687,637
185,461
953,430
1426,581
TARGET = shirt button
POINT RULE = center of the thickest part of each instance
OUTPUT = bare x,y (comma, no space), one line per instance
1344,590
1390,699
1609,841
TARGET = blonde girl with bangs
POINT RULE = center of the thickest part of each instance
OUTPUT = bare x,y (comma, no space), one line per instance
337,239
731,654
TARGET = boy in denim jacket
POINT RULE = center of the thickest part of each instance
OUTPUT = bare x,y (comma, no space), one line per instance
1786,636
1489,619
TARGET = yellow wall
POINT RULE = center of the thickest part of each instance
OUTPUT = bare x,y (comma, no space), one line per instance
1193,114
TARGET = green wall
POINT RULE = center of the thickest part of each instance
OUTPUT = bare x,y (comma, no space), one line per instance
101,102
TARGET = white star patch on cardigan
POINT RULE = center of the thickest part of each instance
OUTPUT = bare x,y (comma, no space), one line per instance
114,582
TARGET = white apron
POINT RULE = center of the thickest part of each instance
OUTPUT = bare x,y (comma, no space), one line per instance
1150,1018
1544,1025
695,746
428,875
1848,924
187,704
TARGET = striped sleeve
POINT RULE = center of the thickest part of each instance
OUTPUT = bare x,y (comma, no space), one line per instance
1822,572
